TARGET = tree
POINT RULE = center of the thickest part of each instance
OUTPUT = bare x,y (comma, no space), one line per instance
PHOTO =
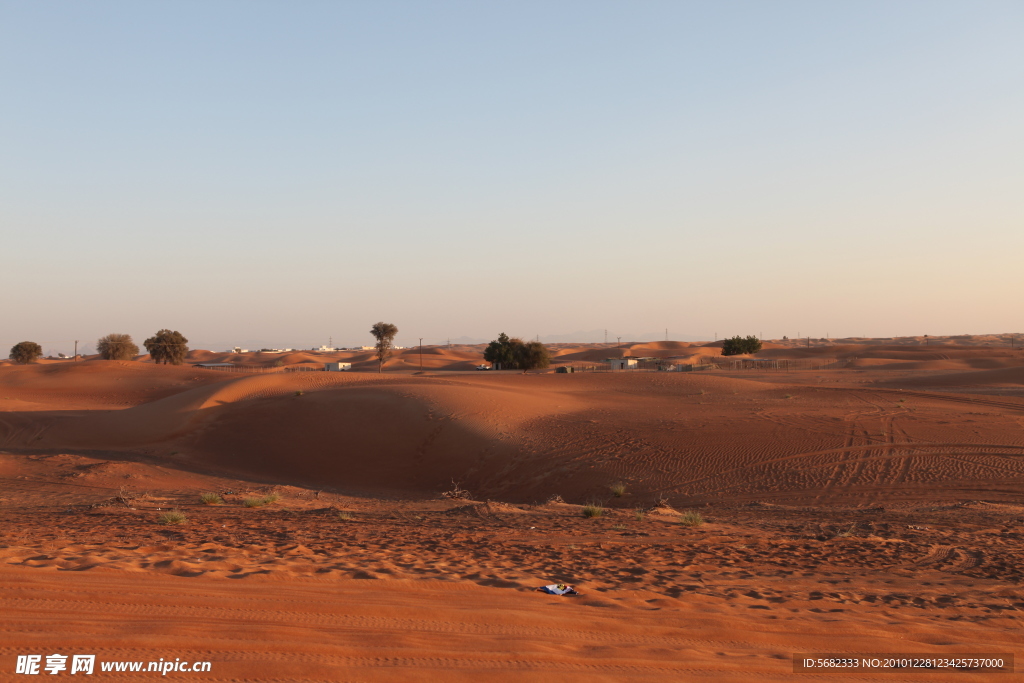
501,352
117,346
511,352
167,346
385,335
737,345
26,352
532,355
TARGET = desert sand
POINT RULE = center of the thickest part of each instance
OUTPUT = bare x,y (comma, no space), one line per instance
868,500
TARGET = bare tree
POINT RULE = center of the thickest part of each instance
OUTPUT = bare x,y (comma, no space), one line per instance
385,335
117,346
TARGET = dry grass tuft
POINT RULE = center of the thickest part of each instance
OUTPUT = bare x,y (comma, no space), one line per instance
173,517
691,518
211,499
592,510
618,490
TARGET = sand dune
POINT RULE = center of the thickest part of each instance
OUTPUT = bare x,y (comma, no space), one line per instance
869,507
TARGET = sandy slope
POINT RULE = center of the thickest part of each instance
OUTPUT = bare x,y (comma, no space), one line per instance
839,505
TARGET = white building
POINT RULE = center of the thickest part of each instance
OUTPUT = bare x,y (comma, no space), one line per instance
626,363
238,349
337,366
326,349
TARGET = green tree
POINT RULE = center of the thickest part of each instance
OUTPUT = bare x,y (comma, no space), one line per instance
501,353
167,347
737,345
384,333
26,352
117,346
532,355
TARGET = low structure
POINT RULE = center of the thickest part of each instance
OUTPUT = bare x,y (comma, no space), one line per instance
337,366
624,363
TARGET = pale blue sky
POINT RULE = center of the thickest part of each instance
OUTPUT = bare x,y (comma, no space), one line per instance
275,173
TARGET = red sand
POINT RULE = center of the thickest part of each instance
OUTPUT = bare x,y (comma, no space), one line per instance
873,507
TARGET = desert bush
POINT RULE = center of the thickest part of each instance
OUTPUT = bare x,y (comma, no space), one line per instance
173,517
299,392
116,346
252,502
345,517
619,527
384,333
26,352
592,510
511,352
737,345
211,499
691,518
639,515
167,347
271,498
618,490
456,492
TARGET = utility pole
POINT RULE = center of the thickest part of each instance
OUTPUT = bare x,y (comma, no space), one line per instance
421,354
606,336
76,350
449,343
666,334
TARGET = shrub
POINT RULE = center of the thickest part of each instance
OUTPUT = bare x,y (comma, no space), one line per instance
211,499
618,490
592,510
252,502
691,518
117,346
639,515
345,517
271,498
26,352
299,392
167,346
736,345
173,517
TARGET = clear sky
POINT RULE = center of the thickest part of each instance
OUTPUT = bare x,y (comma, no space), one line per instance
281,172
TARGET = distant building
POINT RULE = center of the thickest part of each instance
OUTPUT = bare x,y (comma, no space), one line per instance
337,366
326,349
239,349
625,363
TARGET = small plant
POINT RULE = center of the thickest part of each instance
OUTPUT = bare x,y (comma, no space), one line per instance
299,392
252,502
345,517
173,517
619,527
788,396
691,518
618,490
271,498
211,499
592,510
848,532
456,492
639,515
